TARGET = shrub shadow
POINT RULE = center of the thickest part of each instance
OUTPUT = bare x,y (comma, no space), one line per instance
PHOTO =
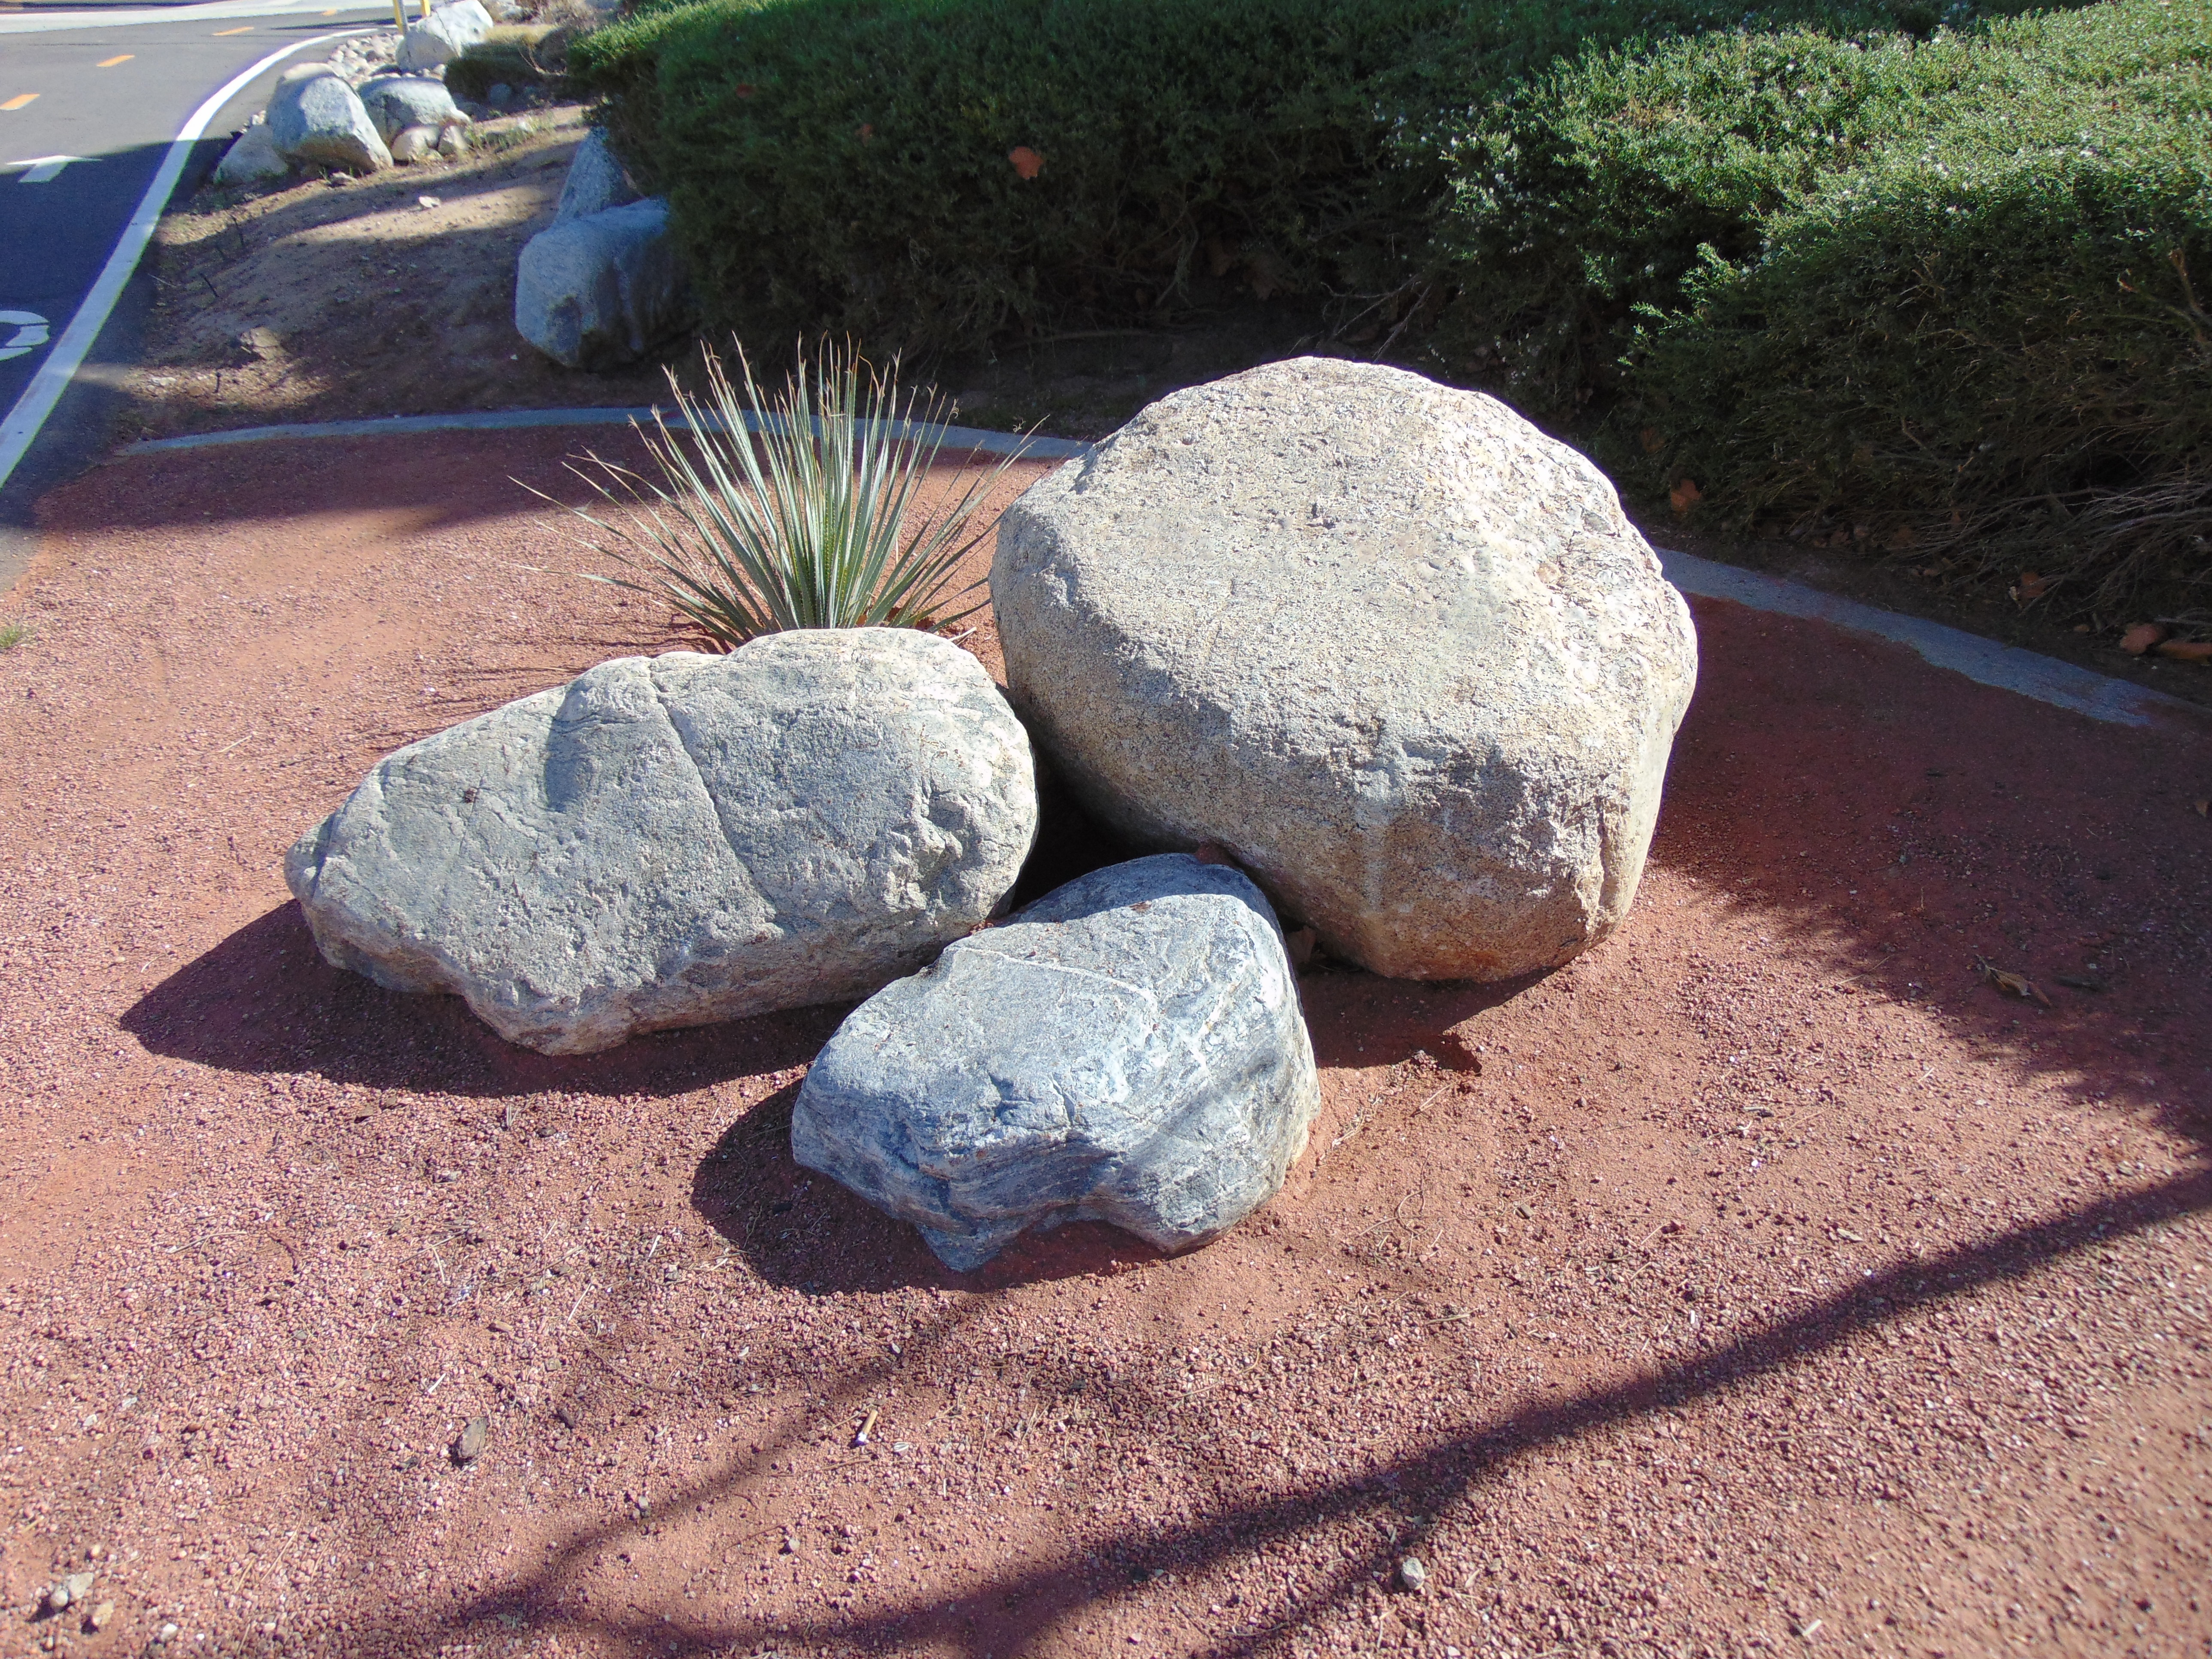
1017,1609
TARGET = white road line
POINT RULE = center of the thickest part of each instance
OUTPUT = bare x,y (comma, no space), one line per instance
61,365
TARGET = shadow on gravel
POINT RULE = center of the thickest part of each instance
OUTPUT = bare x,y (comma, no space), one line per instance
265,1001
1896,824
802,1230
1010,1612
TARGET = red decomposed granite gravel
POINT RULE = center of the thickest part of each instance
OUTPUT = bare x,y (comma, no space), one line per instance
1768,1281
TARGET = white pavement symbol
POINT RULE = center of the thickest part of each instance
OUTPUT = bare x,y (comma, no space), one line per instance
54,374
29,333
43,169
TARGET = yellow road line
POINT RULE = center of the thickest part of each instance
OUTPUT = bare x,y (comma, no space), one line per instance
110,62
18,100
243,29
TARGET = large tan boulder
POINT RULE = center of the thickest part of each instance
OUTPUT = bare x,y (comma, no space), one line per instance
1395,649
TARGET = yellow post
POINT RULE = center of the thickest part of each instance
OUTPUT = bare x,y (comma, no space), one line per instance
426,9
400,13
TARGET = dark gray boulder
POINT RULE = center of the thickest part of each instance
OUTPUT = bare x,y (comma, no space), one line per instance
602,290
1129,1048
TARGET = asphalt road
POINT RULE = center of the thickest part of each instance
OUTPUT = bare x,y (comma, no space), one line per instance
90,102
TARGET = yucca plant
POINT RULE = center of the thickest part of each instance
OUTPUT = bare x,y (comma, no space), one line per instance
769,516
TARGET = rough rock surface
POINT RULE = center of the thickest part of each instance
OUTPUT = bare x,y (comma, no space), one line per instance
602,291
316,120
1397,650
677,840
397,102
1129,1048
596,181
412,144
444,35
251,158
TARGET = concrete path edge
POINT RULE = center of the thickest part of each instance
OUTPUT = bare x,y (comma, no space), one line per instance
1984,661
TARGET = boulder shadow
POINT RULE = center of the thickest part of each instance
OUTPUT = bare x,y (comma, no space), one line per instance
265,1001
802,1230
1070,842
1357,1018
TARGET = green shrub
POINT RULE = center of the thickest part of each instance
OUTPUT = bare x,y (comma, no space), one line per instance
1947,294
845,164
1845,269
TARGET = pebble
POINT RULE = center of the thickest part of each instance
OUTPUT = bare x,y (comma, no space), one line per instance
68,1590
101,1615
474,1436
166,1635
1411,1574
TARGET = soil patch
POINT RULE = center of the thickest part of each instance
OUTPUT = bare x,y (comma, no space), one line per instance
393,294
1766,1278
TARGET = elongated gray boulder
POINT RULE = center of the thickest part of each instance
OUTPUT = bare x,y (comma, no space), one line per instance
1397,651
602,291
1129,1048
596,180
445,34
676,840
397,102
316,120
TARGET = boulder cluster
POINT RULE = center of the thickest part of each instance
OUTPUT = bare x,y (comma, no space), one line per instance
378,100
1329,645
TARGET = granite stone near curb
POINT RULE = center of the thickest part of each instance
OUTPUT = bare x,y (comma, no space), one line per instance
315,118
596,180
602,291
444,35
251,158
397,102
678,840
1129,1048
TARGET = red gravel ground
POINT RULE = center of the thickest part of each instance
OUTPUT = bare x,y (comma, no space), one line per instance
1765,1282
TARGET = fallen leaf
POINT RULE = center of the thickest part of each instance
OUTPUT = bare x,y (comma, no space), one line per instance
2030,586
867,131
1686,495
2019,985
1027,162
2204,809
2140,638
1652,439
2187,650
1902,538
743,89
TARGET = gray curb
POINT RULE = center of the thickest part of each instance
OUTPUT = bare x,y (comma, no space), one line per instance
974,439
1984,661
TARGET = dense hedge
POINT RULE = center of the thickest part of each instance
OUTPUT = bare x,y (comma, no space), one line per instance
1948,294
1836,264
845,163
